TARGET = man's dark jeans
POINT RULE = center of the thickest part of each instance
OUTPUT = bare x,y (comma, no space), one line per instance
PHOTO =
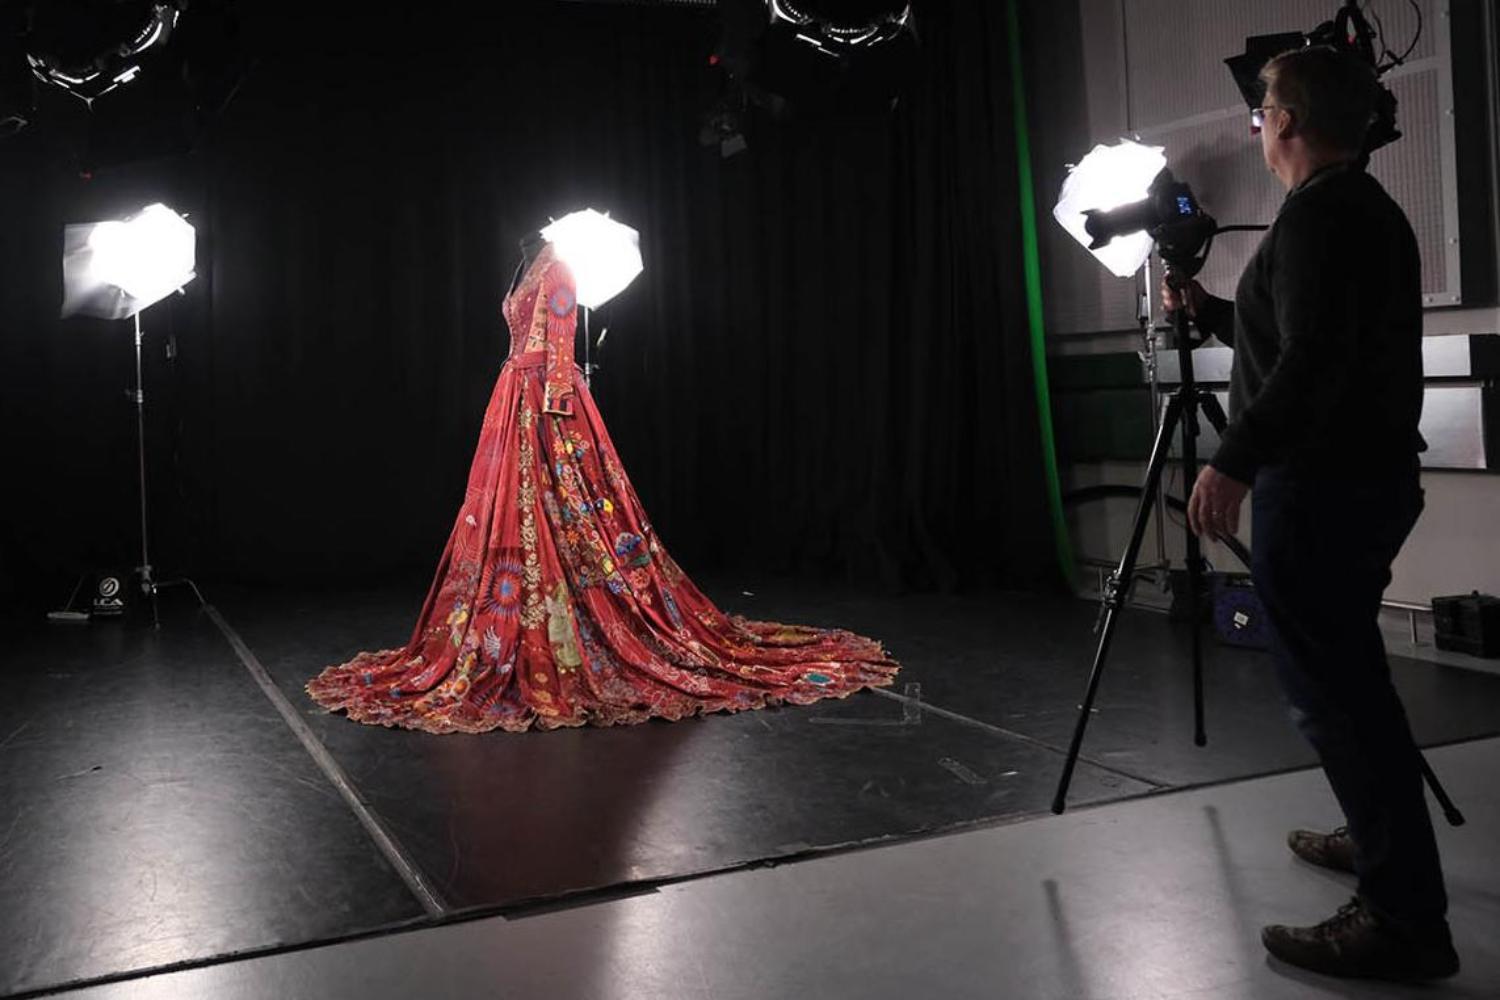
1323,547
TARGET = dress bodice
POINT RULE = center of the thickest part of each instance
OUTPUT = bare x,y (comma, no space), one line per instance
542,317
520,304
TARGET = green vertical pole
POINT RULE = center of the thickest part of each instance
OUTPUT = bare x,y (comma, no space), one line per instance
1033,274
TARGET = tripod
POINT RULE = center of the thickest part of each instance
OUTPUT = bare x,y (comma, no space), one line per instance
1183,406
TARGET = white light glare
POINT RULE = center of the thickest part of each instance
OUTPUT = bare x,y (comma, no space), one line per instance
1110,176
148,256
603,255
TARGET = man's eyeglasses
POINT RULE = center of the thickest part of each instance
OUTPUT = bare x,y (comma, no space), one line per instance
1258,116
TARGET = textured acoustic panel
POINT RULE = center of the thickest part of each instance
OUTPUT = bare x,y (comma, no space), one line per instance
1199,119
1412,171
1079,295
1222,161
1175,49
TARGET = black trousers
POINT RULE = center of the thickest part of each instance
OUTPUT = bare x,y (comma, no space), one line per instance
1323,546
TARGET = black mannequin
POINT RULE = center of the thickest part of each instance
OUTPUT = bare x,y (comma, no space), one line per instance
531,245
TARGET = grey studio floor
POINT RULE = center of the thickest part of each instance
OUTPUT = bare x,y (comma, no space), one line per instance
1158,897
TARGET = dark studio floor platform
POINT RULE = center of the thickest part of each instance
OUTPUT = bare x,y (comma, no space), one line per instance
158,810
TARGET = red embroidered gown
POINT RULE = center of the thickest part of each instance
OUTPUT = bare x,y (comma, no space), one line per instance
554,604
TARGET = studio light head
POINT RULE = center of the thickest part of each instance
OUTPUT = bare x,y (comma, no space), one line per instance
603,255
1348,33
115,269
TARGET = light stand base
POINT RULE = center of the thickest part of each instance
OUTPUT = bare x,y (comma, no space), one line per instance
151,588
67,614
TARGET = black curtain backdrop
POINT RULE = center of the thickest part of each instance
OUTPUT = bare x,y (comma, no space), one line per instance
823,370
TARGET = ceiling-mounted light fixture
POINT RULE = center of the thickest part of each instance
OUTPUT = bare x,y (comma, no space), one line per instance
836,27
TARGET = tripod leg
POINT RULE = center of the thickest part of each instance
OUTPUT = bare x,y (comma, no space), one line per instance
1450,811
1117,590
1209,404
1192,399
1195,594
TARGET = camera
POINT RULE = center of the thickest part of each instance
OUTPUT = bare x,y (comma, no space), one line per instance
1169,214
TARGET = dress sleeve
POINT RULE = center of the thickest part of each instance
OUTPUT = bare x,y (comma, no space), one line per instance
560,304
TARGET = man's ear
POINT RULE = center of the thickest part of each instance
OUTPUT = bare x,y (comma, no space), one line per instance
1290,125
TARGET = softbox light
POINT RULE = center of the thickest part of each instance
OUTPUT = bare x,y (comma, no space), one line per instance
115,269
1108,177
604,255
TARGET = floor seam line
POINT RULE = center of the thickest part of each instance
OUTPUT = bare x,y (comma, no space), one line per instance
1032,740
406,869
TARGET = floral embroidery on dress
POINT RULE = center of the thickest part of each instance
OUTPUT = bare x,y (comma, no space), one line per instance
458,621
631,549
506,582
561,302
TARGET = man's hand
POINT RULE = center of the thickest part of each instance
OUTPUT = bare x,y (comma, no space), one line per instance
1214,508
1172,299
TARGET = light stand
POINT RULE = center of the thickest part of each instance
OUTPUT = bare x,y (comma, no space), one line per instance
148,583
116,270
1147,324
589,367
148,586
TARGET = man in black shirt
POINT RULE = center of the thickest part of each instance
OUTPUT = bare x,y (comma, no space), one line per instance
1325,397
